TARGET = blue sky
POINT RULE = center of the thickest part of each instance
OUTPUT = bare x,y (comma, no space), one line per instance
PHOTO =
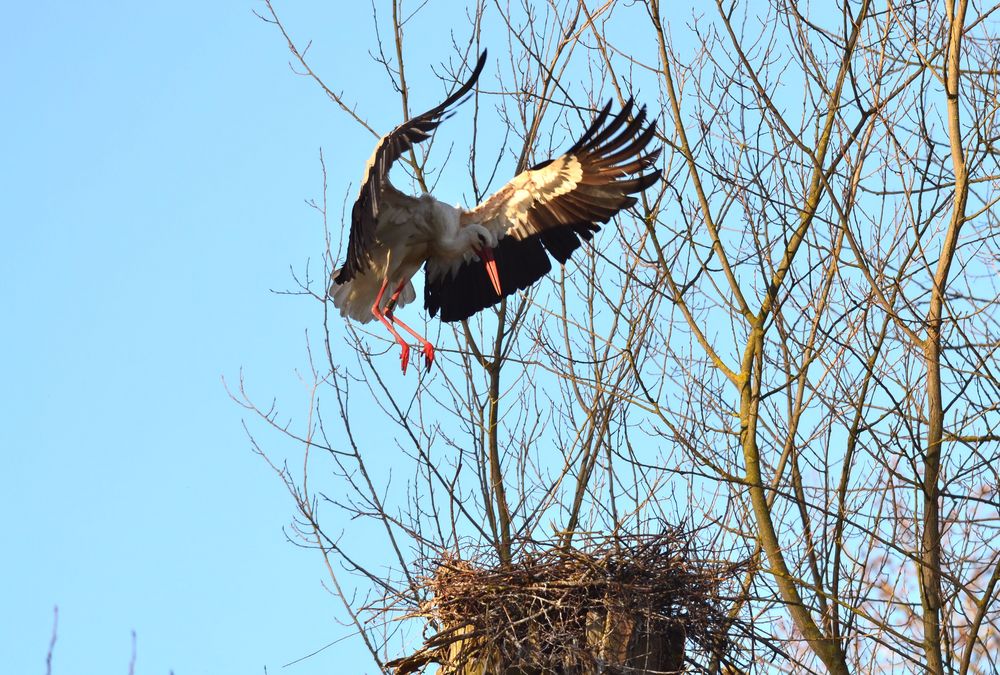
153,170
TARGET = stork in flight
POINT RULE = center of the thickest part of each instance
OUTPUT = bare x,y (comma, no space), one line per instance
475,257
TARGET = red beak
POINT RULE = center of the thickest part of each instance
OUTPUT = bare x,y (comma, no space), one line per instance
486,255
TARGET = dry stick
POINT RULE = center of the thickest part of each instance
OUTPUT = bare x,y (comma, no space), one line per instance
305,509
720,253
982,608
52,641
600,410
131,663
930,545
300,57
341,392
810,356
829,651
492,431
685,149
404,92
495,366
888,304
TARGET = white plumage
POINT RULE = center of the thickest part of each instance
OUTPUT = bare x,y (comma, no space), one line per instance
410,231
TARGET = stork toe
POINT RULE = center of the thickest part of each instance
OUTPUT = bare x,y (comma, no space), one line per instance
429,354
405,355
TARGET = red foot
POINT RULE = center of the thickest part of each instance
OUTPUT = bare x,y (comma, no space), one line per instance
429,354
405,356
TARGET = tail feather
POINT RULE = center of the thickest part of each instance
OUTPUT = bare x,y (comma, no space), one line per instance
355,298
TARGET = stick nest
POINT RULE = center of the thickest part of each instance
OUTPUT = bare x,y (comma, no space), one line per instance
624,605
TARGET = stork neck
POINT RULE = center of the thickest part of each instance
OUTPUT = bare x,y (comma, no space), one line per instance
450,240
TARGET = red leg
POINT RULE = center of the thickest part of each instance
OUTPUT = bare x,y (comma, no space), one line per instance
377,312
390,306
427,346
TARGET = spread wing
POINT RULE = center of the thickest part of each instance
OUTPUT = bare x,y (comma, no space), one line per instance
549,210
364,215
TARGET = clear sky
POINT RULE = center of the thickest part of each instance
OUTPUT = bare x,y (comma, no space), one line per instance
154,162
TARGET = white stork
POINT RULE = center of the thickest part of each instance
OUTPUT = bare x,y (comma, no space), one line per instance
474,257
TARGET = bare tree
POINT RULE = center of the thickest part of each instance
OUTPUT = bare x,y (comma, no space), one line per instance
790,348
